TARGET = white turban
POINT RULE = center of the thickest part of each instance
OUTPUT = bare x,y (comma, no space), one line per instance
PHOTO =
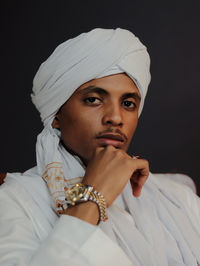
98,53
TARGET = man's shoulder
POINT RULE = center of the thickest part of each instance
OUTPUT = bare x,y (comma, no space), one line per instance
176,181
11,198
20,187
175,186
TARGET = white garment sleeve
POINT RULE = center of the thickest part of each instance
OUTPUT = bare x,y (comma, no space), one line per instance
71,242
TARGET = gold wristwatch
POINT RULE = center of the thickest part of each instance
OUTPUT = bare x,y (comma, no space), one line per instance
81,193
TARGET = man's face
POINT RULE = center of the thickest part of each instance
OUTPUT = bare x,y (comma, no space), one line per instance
101,112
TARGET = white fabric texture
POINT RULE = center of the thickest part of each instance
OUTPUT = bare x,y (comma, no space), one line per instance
159,228
91,55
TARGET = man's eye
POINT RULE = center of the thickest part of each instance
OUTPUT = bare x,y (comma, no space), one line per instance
91,100
129,104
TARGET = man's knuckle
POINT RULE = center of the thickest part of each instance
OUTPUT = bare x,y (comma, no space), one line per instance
119,153
145,162
127,162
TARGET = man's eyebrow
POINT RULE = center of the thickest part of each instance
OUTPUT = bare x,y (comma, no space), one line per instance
101,91
134,95
93,89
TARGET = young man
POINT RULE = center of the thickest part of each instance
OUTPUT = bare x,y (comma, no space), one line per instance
87,202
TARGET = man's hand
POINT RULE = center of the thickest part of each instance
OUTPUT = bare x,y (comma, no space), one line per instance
110,169
108,172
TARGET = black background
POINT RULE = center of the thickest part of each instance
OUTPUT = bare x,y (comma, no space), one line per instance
168,131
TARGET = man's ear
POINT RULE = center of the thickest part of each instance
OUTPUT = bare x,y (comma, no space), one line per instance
55,123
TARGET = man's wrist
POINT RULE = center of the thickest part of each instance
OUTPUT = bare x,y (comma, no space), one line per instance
87,211
81,192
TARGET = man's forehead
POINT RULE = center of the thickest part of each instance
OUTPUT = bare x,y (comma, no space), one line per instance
110,83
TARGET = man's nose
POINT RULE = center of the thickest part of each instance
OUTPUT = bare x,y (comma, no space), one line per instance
113,115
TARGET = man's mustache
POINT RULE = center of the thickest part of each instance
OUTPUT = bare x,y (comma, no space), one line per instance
114,131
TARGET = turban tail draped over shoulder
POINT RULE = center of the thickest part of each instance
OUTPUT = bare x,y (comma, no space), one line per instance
98,53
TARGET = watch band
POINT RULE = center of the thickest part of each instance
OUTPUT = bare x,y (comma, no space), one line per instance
99,199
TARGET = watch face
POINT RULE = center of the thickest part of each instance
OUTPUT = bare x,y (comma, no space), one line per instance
76,193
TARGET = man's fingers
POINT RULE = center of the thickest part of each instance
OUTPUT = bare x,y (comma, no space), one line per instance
136,189
141,166
139,176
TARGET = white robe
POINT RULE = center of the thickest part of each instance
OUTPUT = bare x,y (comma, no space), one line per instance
31,235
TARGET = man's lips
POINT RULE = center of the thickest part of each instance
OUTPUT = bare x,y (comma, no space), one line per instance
111,139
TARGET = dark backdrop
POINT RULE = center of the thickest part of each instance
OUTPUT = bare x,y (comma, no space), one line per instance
169,130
